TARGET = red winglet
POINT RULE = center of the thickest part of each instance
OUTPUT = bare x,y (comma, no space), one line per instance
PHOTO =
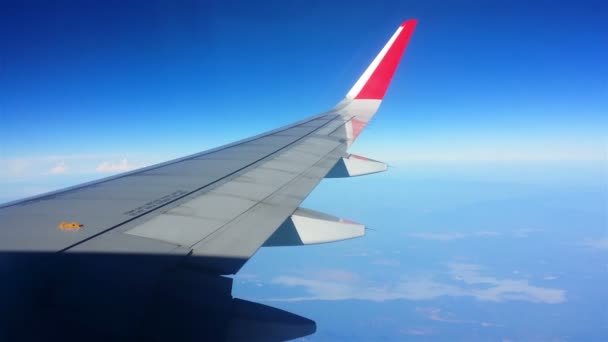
378,81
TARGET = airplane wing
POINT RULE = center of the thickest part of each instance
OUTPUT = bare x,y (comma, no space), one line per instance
219,206
143,254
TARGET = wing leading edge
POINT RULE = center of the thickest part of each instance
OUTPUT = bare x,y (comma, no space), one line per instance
215,207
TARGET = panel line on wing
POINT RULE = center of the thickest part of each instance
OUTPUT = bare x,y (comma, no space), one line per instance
187,194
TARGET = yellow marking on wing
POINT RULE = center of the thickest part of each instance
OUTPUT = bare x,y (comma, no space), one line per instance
70,226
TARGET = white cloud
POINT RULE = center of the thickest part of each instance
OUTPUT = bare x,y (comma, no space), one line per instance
418,332
438,236
59,168
438,315
601,243
318,289
487,233
470,153
339,275
31,167
386,262
467,281
525,232
13,168
504,289
450,236
110,167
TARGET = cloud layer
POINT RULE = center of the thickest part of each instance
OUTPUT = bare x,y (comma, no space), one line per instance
450,236
599,243
58,169
34,167
111,167
467,281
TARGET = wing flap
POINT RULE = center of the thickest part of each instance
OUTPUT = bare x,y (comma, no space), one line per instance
234,219
308,227
226,250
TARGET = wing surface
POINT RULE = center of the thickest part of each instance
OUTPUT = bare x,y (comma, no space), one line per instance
217,207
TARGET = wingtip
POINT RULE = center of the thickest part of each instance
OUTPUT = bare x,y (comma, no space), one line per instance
372,85
409,22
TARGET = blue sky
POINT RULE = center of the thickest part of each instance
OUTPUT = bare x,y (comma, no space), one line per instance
105,86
